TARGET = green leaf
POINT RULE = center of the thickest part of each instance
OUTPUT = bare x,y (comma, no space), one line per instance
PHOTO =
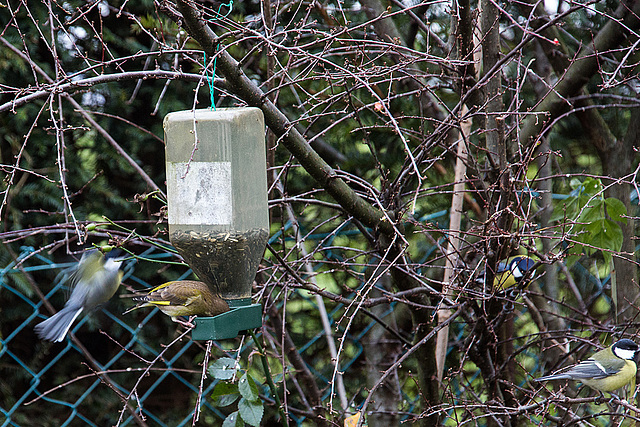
593,212
248,388
592,186
223,388
581,233
251,412
225,394
233,420
614,234
604,235
575,183
227,400
616,209
585,234
563,209
223,368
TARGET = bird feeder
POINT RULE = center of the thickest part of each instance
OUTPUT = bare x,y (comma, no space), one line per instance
217,207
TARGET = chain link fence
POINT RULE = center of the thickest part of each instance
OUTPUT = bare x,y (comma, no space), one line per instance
135,370
143,369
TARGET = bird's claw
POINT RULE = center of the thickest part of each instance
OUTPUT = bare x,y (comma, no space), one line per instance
601,399
608,400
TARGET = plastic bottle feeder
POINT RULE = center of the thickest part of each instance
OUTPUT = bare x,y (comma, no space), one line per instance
217,207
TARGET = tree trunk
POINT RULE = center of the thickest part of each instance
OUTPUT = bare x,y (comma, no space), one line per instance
381,351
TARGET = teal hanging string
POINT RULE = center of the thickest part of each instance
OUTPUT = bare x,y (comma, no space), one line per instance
210,77
229,5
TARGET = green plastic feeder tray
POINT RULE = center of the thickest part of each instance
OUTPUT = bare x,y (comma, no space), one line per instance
242,316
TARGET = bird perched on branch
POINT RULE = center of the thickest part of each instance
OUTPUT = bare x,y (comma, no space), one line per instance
605,371
182,298
94,281
511,272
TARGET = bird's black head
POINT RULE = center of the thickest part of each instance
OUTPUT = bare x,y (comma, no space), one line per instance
625,349
521,265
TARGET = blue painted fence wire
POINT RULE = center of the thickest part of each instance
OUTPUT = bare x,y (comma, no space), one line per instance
172,384
178,372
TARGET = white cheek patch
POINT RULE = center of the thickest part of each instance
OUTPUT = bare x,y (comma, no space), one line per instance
624,354
112,264
516,271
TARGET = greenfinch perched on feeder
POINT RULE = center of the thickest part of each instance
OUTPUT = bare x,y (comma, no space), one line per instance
182,298
94,281
511,272
605,371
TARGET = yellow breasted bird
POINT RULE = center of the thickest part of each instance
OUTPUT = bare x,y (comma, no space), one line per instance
94,282
605,371
182,298
511,272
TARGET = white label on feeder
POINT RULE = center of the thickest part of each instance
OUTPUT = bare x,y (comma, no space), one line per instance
199,193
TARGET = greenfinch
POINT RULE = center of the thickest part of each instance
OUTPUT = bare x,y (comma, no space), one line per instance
94,281
182,298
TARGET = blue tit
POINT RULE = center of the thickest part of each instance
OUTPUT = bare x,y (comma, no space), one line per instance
510,272
605,371
93,282
182,298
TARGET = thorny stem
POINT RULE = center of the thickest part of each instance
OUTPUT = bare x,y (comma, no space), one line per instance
144,239
267,374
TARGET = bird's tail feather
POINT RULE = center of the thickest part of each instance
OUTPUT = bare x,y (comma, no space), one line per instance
130,309
56,327
553,377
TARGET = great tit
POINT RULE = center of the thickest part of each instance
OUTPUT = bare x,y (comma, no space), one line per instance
605,371
93,282
182,298
510,272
